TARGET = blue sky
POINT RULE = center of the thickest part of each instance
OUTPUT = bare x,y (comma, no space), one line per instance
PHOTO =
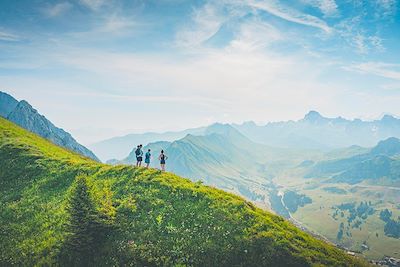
100,68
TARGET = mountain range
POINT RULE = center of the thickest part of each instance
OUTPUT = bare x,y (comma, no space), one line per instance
294,181
313,132
380,162
119,147
24,115
62,209
223,157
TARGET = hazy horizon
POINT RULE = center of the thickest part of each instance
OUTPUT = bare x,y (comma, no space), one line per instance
101,68
78,134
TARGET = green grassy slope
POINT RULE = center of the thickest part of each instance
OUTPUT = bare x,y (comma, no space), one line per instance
157,218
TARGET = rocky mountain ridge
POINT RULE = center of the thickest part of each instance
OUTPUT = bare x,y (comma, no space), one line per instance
24,115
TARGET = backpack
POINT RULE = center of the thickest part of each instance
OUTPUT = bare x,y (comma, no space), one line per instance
137,152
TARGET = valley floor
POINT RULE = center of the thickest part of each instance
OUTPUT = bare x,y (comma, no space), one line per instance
362,234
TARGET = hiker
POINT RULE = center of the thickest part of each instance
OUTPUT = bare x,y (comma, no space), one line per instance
162,158
147,158
139,155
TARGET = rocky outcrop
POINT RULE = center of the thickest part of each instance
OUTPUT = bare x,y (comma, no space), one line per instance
24,115
7,104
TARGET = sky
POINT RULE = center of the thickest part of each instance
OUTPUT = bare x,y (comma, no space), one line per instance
101,68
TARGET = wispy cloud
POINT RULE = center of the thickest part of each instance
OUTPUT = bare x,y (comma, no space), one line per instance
386,70
377,43
276,8
10,37
57,9
365,44
356,36
386,8
206,22
255,35
328,7
359,42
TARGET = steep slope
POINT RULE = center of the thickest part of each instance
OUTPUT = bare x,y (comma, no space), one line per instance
154,218
380,162
317,132
23,114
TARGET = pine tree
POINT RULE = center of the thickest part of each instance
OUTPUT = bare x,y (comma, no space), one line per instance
86,227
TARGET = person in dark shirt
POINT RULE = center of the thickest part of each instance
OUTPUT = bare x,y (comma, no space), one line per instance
139,155
162,158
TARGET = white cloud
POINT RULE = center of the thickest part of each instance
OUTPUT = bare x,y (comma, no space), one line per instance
255,35
386,8
6,36
359,41
57,9
364,43
277,9
328,7
206,22
391,71
352,33
377,43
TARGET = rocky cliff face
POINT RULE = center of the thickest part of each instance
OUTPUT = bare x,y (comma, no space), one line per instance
23,114
7,104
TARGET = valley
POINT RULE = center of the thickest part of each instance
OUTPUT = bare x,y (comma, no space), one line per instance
303,184
362,234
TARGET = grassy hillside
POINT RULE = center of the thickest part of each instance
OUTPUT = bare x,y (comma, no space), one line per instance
58,208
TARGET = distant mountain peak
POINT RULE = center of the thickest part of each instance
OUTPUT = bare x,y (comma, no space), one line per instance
313,116
222,129
389,147
219,124
218,127
388,118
